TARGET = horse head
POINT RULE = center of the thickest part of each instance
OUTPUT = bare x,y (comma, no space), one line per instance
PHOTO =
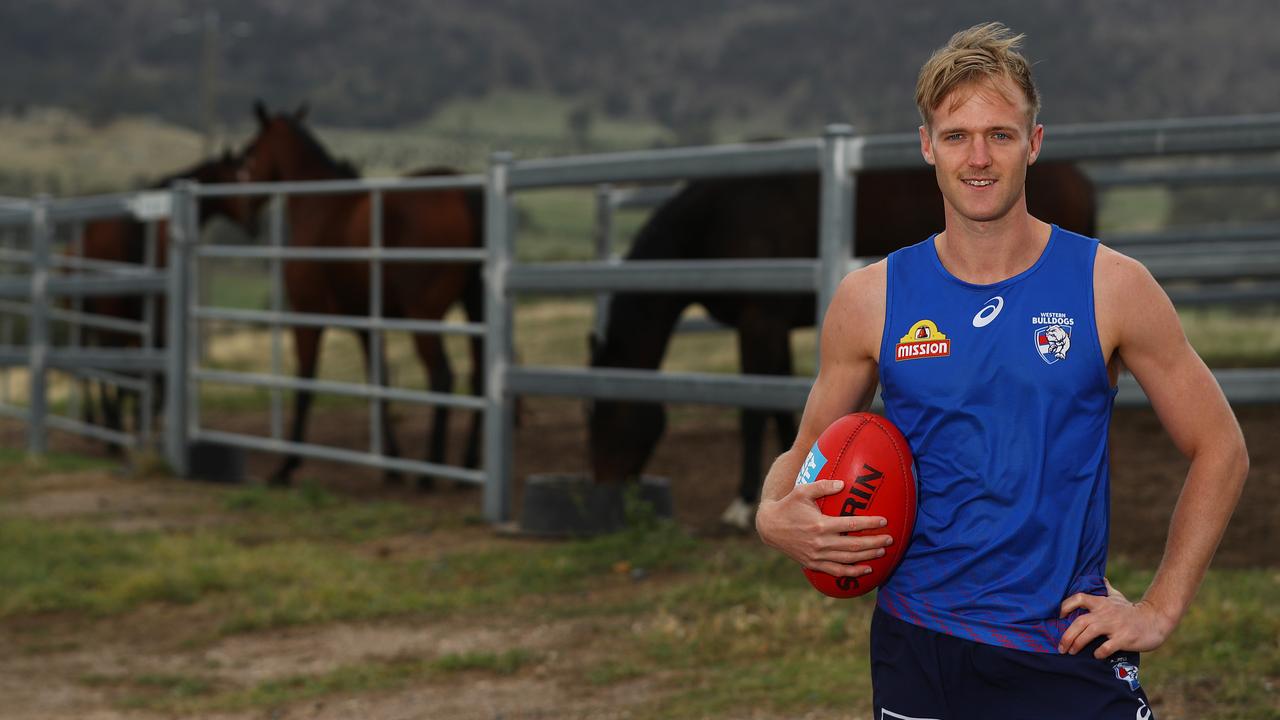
283,149
223,168
622,435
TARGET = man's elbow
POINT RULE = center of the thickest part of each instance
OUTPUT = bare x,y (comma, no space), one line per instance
1240,462
1233,466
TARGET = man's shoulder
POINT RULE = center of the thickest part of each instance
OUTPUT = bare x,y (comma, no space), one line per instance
1115,270
1125,293
856,315
865,285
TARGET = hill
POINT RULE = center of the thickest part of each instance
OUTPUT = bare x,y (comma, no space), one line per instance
693,67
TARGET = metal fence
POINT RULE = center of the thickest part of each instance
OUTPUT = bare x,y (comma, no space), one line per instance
42,291
197,373
836,157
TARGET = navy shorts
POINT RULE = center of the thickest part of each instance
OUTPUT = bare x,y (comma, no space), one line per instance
919,674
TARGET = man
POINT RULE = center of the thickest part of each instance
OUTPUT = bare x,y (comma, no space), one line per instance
1000,608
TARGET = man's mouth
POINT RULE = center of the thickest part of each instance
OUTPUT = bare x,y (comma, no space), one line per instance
978,182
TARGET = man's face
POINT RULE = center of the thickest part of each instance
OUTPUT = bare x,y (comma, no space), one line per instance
980,145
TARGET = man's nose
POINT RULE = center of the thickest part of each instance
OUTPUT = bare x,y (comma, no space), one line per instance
979,153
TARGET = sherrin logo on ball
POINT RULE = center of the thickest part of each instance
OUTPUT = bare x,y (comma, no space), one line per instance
871,457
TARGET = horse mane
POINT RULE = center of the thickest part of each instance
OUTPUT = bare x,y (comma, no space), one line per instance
206,167
343,167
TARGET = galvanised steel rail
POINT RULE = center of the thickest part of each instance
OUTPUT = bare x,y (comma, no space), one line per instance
1252,232
341,187
153,283
360,390
68,358
321,452
350,322
1182,176
395,254
756,276
788,156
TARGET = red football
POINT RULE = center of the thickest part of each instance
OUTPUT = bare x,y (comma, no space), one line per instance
871,457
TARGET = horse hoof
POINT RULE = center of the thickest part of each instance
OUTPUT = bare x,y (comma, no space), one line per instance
739,515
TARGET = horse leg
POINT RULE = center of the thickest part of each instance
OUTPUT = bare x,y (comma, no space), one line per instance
764,348
741,509
306,346
440,380
88,411
390,447
111,399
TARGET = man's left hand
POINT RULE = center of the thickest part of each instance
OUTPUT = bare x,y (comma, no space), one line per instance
1128,626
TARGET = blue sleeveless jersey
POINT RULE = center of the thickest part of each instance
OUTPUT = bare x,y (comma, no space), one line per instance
1003,394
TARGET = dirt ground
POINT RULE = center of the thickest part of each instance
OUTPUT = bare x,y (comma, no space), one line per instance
699,453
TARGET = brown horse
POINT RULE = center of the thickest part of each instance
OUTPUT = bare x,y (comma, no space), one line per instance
284,149
123,240
767,217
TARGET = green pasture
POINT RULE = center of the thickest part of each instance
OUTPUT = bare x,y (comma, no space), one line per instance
719,627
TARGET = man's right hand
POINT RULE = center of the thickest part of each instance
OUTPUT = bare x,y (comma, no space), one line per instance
794,525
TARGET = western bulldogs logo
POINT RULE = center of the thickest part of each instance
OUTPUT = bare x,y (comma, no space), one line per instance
1053,342
1127,672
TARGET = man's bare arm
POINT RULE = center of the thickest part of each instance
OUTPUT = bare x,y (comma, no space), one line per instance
1137,319
788,518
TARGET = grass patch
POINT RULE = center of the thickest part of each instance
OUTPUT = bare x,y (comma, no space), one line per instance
294,558
18,461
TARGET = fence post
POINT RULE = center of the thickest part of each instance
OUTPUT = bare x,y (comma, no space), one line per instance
175,425
278,241
376,337
835,242
499,412
38,328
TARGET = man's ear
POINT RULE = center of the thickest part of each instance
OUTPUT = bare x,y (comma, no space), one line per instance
1037,139
926,144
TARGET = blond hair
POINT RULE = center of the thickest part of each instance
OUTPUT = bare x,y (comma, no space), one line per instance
983,53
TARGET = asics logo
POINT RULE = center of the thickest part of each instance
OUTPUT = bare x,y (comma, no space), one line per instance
988,312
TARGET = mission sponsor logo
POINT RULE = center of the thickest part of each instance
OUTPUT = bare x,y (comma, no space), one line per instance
923,340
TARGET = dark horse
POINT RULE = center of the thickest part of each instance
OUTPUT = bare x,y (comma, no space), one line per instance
768,217
285,150
124,240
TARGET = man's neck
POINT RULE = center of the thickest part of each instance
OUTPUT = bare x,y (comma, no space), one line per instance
984,253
